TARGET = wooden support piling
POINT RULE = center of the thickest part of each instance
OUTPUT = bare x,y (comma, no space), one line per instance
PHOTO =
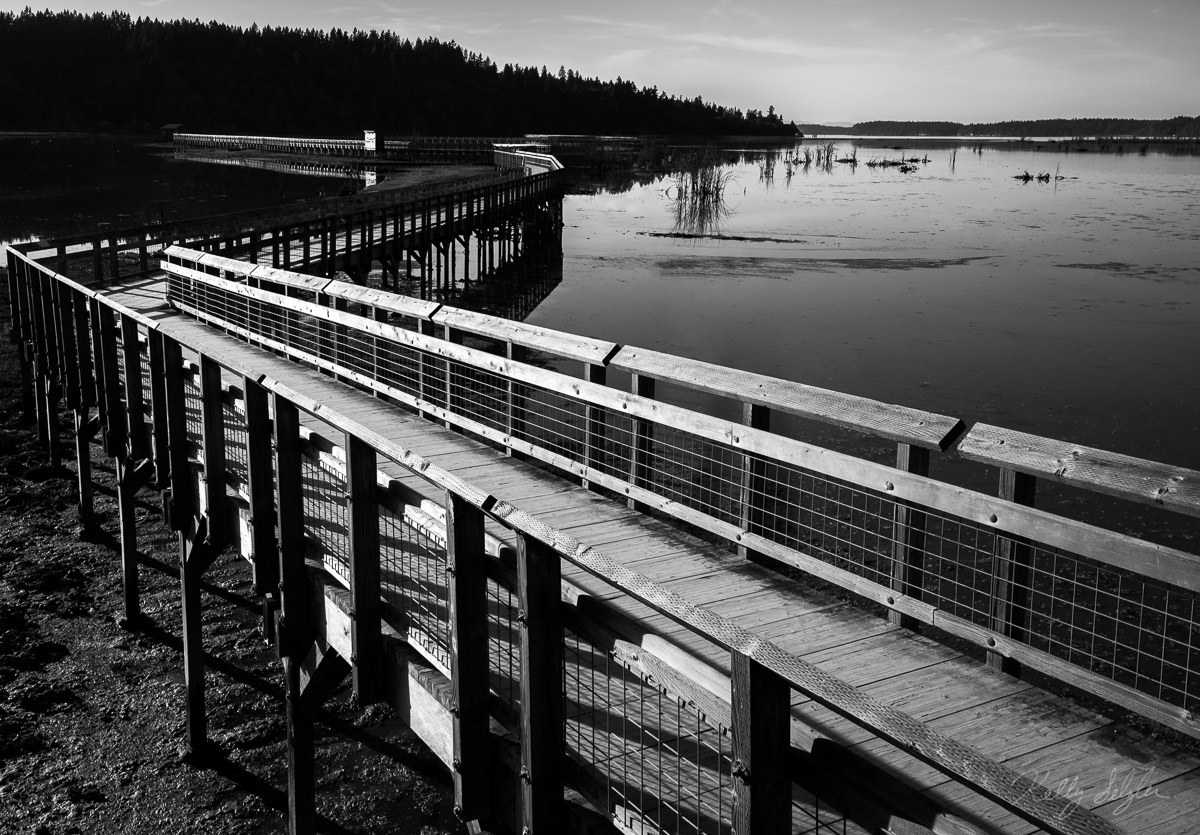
366,619
467,585
542,742
761,748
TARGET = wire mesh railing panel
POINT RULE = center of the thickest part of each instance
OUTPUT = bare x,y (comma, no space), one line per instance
645,755
413,576
193,411
693,471
1117,624
550,420
237,462
323,493
478,395
504,645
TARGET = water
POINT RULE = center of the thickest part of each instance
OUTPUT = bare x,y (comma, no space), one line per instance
61,186
1068,309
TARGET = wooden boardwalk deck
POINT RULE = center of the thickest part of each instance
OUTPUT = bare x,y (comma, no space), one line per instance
1140,782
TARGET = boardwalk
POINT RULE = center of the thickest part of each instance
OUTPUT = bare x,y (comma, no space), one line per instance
663,692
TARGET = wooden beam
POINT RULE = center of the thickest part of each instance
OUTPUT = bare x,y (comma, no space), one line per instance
542,743
761,748
363,521
261,489
466,569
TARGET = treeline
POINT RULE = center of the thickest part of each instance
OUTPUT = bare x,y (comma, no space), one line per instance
70,71
1183,127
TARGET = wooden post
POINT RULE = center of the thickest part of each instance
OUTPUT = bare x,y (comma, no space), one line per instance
212,428
467,581
261,490
595,418
105,342
179,507
516,402
200,544
908,541
754,483
761,748
641,439
160,454
295,622
81,396
542,730
135,404
1011,575
366,622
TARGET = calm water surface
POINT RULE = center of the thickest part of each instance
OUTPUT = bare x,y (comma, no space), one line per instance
1069,309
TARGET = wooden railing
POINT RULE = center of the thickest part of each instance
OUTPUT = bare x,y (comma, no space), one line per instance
1090,606
202,430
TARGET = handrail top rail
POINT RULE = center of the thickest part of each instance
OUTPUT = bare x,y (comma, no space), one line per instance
1124,476
873,417
564,344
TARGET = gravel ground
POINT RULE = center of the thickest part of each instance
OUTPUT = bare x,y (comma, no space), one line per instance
92,714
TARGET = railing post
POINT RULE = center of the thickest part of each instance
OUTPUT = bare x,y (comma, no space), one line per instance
84,428
366,622
761,749
542,729
212,427
135,408
261,490
105,342
467,582
295,622
178,465
642,438
754,482
908,541
1011,573
594,420
516,402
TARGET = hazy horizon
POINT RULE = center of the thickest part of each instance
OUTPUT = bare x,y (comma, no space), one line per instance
965,61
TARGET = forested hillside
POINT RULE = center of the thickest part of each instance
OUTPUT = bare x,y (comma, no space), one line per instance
69,71
1180,126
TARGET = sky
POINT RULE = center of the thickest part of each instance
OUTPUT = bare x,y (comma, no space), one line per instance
832,62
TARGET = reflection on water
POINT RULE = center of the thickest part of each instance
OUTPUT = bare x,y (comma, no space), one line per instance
1068,308
62,186
699,200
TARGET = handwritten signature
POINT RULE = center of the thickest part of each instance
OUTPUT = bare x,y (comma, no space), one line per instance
1124,784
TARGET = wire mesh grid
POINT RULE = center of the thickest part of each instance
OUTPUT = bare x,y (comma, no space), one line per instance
236,456
654,761
413,575
504,645
647,758
323,492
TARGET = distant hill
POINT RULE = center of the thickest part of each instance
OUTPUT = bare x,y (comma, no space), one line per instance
70,71
1179,127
